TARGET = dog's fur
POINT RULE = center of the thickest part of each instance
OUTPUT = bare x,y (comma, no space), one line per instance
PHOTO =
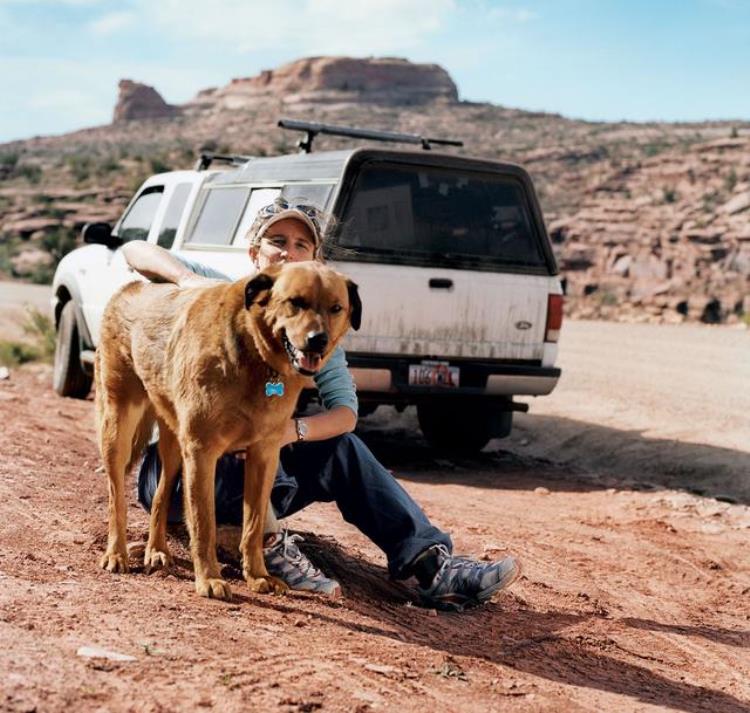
196,361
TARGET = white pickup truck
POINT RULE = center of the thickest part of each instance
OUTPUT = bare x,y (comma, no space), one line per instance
461,294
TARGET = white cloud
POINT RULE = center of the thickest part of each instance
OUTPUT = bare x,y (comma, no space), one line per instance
111,23
512,14
303,28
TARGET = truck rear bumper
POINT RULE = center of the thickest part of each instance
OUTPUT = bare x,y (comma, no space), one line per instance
387,377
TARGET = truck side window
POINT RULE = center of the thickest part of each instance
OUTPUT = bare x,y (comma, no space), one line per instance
258,198
136,224
219,215
173,214
317,194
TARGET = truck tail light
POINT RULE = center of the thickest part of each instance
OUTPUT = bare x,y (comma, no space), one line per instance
554,318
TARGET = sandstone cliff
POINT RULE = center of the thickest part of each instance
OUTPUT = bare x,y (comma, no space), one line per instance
139,101
330,80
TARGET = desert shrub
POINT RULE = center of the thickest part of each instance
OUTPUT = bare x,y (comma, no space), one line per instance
80,167
15,353
654,148
158,165
8,160
41,329
670,195
734,133
30,171
59,243
107,165
730,180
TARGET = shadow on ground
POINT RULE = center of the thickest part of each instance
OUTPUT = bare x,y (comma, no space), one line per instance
515,635
577,456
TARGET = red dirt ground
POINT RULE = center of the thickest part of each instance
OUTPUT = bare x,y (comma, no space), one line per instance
634,598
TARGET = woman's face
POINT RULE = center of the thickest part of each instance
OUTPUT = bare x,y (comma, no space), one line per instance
289,240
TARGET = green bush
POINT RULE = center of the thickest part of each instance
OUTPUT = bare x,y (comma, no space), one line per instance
8,160
730,180
670,195
41,329
158,165
80,167
31,172
59,243
15,353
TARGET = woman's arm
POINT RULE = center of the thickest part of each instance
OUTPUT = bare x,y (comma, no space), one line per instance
329,424
158,264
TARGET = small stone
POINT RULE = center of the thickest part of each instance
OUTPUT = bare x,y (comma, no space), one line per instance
95,652
432,612
4,373
541,491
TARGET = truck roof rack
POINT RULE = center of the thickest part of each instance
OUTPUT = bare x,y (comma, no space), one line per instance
312,129
207,158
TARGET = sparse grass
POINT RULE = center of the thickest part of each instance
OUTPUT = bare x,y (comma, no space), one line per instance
40,328
158,165
730,180
80,167
40,347
15,353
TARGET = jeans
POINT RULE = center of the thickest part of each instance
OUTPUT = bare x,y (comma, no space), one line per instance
340,469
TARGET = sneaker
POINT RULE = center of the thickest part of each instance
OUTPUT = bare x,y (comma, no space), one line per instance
461,582
285,561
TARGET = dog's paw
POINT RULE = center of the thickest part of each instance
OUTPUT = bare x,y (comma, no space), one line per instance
213,588
267,585
115,562
156,559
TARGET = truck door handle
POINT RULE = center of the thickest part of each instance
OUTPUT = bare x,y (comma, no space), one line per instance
440,283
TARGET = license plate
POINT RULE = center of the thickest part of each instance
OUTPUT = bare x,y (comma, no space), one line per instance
434,373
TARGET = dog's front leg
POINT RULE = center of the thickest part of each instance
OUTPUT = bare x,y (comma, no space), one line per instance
261,463
200,473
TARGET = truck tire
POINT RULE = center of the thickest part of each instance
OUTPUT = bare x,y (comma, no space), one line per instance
68,376
464,427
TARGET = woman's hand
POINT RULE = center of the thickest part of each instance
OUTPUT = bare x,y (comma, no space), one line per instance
321,426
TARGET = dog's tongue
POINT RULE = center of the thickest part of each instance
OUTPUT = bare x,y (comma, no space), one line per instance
310,362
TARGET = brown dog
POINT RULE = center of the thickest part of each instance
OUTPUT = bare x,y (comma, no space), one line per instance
199,363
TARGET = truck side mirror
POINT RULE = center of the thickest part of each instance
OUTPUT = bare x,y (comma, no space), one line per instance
100,234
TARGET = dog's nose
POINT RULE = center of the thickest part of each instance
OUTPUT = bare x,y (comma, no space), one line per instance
317,342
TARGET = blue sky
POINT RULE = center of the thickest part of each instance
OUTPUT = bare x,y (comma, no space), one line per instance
60,60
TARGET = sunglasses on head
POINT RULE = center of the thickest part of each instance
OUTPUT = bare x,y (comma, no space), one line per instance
281,204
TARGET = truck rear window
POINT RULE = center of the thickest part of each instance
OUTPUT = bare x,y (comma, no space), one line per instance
421,215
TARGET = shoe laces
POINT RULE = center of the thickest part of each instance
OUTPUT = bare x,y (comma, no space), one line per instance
291,552
452,562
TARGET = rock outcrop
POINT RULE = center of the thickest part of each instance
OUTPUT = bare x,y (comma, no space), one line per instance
330,80
139,101
666,239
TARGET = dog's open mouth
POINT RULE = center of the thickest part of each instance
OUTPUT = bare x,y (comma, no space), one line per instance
307,363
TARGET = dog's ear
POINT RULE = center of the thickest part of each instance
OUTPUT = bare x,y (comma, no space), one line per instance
255,286
355,304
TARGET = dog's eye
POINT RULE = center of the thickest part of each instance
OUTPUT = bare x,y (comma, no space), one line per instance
298,302
336,309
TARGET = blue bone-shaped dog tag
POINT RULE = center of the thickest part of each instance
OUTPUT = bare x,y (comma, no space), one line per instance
274,388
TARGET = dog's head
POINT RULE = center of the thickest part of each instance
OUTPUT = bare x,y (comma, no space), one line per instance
307,308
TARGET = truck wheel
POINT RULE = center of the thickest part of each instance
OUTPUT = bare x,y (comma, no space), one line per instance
464,427
68,377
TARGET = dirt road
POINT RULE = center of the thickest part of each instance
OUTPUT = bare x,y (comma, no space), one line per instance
635,594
